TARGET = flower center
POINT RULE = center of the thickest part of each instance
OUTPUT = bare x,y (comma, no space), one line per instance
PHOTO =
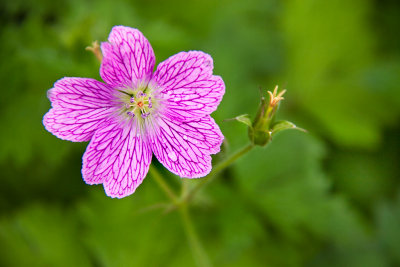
139,104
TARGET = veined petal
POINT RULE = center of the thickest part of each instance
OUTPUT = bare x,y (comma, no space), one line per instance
184,148
128,58
79,106
186,82
118,157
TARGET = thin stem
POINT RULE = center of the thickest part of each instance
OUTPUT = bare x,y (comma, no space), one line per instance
219,167
198,251
163,185
184,189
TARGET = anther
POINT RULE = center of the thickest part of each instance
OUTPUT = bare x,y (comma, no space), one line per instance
140,94
130,113
144,115
132,100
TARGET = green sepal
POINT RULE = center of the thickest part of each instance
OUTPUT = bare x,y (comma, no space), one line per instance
259,137
244,118
284,125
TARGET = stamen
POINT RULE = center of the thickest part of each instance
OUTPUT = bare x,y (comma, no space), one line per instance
140,94
138,103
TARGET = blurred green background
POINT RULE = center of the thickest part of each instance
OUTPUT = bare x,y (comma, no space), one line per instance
327,198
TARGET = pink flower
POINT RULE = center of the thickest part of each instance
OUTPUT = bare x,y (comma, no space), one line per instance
136,113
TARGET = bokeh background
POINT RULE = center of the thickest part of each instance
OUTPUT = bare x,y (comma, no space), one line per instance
330,197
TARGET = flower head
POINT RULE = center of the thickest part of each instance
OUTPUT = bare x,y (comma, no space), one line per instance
137,113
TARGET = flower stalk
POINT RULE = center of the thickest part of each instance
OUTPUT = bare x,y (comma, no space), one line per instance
198,251
163,185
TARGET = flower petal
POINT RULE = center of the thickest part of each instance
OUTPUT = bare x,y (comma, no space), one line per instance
184,148
187,84
79,106
118,157
128,58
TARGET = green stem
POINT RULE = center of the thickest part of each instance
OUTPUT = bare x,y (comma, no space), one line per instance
163,185
219,167
198,251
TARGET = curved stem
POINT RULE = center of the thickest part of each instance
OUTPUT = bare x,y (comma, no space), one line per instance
219,167
163,185
199,253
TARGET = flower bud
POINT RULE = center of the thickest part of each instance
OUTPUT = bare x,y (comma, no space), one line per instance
264,127
261,131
